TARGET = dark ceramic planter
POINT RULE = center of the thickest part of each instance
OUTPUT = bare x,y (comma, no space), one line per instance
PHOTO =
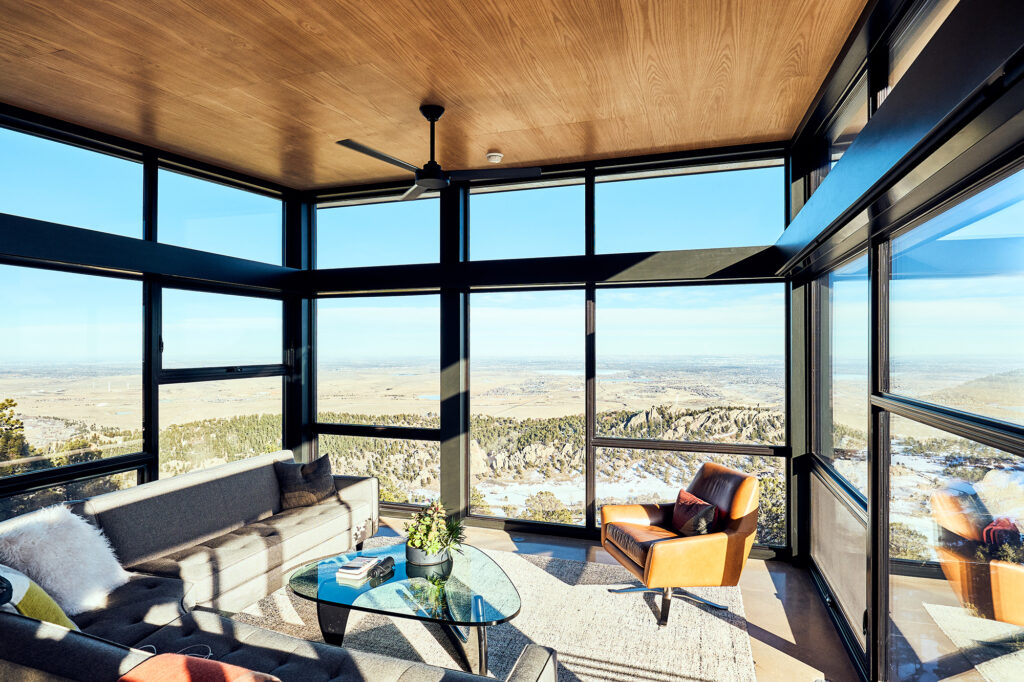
417,556
431,572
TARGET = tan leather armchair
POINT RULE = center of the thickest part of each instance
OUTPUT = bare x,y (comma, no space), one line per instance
641,538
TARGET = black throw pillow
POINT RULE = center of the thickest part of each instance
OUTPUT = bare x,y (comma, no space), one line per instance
303,485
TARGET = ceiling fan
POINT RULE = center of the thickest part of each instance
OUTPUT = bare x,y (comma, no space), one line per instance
432,176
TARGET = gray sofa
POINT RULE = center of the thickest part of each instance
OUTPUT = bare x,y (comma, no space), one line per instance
208,543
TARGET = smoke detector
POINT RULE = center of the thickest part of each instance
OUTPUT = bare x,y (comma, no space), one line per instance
495,157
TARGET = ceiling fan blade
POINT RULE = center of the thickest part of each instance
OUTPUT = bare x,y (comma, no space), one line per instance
380,156
413,192
495,174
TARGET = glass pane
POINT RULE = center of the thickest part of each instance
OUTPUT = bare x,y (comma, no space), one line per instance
208,216
692,211
59,183
71,378
957,560
379,360
634,476
526,397
217,330
844,350
956,307
408,471
692,363
386,233
26,502
839,547
527,223
919,27
852,118
207,423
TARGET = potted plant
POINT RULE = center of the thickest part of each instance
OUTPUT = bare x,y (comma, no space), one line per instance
432,536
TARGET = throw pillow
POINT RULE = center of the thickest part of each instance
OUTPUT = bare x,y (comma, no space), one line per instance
177,667
20,594
692,515
1002,531
66,555
303,485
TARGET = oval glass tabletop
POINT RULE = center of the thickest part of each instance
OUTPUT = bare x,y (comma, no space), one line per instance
470,590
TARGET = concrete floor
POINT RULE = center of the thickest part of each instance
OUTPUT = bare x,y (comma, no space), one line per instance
791,636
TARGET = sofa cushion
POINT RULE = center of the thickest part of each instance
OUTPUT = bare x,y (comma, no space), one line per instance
635,540
286,657
137,609
228,561
152,520
177,667
304,484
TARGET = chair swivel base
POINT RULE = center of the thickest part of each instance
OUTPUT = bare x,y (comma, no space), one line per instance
666,598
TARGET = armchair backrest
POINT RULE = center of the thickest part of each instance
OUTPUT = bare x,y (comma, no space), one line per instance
733,492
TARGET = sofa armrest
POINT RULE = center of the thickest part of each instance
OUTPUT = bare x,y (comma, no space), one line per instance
536,664
711,560
640,514
54,652
356,490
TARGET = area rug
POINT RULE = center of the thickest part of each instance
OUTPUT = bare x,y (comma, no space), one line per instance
565,605
995,649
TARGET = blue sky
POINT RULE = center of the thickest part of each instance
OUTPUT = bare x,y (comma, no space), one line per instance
91,319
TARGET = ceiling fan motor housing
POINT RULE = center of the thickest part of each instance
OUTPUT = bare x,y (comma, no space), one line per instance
431,176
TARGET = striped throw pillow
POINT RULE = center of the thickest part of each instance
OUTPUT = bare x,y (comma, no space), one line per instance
20,594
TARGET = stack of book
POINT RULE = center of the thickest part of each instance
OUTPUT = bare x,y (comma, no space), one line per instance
361,569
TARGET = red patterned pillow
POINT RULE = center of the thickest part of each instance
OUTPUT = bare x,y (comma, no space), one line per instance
693,516
1001,532
179,668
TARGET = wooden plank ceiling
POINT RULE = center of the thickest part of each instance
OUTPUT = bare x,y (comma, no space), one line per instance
267,86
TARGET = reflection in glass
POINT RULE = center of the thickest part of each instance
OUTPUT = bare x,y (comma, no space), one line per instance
851,119
956,512
635,476
71,375
96,191
697,363
15,505
208,423
408,471
527,223
914,32
208,216
378,360
526,427
844,349
383,233
690,211
956,306
217,330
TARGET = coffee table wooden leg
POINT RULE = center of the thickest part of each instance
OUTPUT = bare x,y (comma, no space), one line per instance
332,622
472,644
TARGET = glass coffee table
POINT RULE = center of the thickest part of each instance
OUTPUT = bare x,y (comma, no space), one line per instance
466,595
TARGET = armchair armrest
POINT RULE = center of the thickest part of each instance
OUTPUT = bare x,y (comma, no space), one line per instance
711,560
357,490
640,514
536,664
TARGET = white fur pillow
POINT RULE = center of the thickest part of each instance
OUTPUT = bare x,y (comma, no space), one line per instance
66,555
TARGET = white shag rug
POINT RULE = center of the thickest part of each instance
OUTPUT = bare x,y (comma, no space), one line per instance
995,649
565,605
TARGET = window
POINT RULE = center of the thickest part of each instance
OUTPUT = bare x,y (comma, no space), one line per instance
383,233
60,183
216,330
527,404
944,492
696,363
527,223
71,379
26,502
208,216
695,210
636,476
378,360
844,351
914,32
208,423
956,306
409,471
851,119
839,543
